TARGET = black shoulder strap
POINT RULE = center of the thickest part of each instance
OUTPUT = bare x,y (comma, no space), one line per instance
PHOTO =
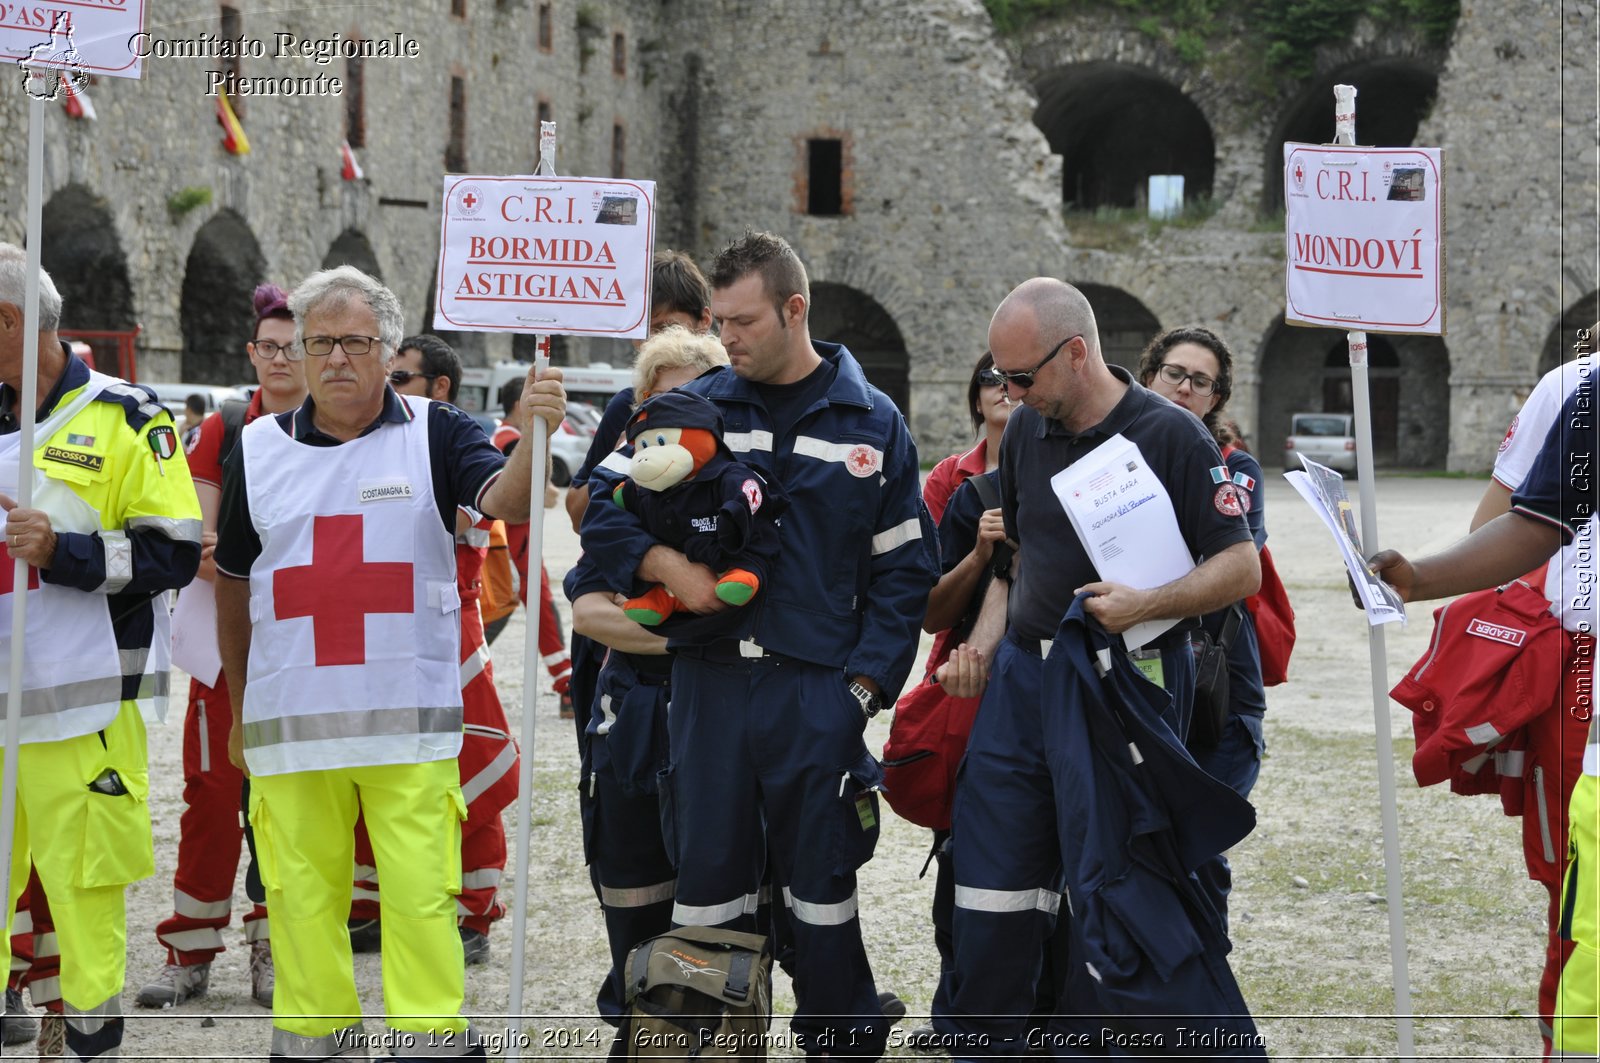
986,491
738,983
1230,626
233,411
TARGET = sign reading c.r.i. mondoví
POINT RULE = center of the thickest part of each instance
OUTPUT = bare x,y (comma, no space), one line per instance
564,255
1364,238
76,37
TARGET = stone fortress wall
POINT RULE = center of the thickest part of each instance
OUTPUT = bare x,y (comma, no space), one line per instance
921,162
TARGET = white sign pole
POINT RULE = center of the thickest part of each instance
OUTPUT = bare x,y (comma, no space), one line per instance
530,669
28,400
1345,133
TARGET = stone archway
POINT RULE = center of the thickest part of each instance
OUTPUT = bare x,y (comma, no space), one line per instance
1125,324
1114,125
352,248
216,314
1307,370
1564,343
841,314
80,250
1393,96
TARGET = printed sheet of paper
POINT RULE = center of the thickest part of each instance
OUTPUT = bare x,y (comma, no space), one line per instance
1125,520
1323,490
194,632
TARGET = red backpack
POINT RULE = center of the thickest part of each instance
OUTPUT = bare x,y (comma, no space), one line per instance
1273,615
929,732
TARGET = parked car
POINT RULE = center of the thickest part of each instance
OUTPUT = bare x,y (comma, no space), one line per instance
568,447
174,396
1326,438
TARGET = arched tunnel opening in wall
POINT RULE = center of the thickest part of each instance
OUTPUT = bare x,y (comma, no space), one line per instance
80,250
1393,96
215,309
1125,324
352,248
1567,340
841,314
1114,125
1306,370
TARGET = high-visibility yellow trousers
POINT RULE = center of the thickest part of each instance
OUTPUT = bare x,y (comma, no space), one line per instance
1579,993
87,846
305,847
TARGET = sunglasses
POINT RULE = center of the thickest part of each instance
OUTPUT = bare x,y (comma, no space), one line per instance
991,378
1024,378
401,377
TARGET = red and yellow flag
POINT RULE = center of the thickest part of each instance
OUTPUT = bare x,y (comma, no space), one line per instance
233,137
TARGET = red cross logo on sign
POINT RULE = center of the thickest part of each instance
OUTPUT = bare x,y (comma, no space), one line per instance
338,589
8,573
1299,174
470,200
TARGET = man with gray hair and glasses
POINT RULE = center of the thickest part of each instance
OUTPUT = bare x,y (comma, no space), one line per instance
113,524
336,618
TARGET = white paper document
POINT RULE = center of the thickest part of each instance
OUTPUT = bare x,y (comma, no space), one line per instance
1323,490
1125,520
194,632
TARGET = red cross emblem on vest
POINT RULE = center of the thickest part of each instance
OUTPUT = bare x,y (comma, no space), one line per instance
338,589
8,573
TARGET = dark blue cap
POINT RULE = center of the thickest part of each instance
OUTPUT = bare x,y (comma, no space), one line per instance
676,409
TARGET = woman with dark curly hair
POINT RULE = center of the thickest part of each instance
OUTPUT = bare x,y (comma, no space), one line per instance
1193,368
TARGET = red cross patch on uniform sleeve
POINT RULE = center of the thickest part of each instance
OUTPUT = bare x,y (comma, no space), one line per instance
752,493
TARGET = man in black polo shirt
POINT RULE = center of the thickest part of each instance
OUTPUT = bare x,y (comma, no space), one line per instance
1008,845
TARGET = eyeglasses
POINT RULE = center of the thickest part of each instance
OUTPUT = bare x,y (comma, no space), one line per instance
991,378
401,377
354,346
1024,378
269,350
1199,383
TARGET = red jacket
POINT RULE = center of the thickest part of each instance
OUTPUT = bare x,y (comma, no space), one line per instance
1490,702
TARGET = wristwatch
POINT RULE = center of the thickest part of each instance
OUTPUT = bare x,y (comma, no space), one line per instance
871,704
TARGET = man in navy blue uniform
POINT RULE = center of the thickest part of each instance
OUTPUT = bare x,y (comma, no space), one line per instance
1010,838
766,733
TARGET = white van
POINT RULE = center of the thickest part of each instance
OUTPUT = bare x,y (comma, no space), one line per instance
594,384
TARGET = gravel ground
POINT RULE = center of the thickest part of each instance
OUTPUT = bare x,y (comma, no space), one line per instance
1311,934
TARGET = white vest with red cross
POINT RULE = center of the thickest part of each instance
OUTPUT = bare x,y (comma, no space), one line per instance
71,669
354,647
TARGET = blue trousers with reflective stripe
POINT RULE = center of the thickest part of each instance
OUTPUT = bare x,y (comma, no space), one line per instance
628,864
768,759
1006,849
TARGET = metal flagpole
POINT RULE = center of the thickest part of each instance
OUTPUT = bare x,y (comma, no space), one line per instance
28,399
1345,133
530,668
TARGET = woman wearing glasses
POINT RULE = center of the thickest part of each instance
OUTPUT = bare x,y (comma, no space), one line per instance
1193,367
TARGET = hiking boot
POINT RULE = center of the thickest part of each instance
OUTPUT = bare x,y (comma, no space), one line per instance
175,984
366,935
894,1009
564,705
474,946
52,1036
261,973
18,1027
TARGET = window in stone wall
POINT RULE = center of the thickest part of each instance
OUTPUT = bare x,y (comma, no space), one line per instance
455,152
619,54
458,8
619,144
546,29
355,101
231,29
545,114
825,177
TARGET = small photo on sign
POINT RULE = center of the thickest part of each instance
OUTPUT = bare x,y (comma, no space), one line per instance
618,210
1407,185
